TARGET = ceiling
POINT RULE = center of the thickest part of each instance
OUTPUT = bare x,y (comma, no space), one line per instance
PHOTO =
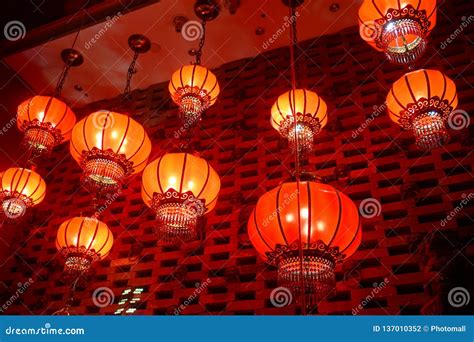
229,37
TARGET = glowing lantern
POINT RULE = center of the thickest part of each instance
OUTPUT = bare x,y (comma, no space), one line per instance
311,116
193,88
180,188
421,101
21,188
45,121
83,240
109,147
330,232
398,28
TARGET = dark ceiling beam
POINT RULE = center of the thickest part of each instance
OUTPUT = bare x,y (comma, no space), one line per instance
69,24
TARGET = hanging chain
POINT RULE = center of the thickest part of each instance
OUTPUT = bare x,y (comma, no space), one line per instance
131,71
293,45
202,40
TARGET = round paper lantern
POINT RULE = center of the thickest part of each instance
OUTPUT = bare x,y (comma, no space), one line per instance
83,240
398,28
46,121
193,88
109,147
421,101
330,231
21,188
311,116
180,187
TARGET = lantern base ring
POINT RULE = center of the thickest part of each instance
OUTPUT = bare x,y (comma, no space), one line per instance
177,216
301,137
41,137
430,130
14,206
78,261
314,273
104,171
192,102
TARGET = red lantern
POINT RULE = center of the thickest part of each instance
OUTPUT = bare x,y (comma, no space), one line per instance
422,101
329,226
83,241
399,28
180,188
46,122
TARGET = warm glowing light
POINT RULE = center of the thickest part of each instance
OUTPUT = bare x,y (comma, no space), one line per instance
194,89
399,28
311,116
330,232
180,188
109,147
421,101
46,122
83,240
20,189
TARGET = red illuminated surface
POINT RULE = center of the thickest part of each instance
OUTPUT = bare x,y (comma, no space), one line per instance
417,245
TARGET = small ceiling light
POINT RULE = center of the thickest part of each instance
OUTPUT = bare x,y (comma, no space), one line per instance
326,221
399,29
311,116
20,189
180,188
421,101
83,241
